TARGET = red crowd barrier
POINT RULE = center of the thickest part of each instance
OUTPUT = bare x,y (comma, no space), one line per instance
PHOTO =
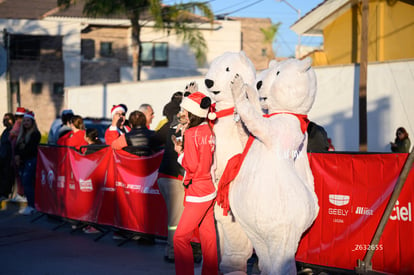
353,192
119,189
106,187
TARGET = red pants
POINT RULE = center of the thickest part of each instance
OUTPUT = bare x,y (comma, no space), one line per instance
195,215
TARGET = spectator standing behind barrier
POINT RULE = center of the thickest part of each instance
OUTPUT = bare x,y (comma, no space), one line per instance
148,112
170,112
60,126
25,157
139,137
76,136
6,167
402,142
118,126
317,138
92,136
196,157
171,173
18,193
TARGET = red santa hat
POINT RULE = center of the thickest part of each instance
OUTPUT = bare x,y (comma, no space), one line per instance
196,103
20,111
29,114
117,108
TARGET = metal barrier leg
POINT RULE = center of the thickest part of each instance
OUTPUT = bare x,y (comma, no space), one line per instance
38,217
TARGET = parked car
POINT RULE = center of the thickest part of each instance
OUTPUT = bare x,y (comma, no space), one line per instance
101,124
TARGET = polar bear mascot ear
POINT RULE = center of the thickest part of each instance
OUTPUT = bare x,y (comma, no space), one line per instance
264,81
294,86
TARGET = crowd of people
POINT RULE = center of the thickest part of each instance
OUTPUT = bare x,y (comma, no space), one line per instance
184,177
18,156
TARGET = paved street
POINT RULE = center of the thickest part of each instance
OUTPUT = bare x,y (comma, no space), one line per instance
39,248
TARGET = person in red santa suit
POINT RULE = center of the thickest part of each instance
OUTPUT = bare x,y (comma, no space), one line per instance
196,156
117,127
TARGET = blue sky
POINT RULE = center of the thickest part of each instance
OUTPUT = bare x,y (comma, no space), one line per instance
277,11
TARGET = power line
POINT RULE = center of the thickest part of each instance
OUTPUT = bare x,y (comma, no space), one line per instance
242,8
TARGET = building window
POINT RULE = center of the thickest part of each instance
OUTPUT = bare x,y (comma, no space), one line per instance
58,89
33,47
106,49
37,88
88,48
154,54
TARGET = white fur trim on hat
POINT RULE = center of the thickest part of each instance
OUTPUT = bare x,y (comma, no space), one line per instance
20,111
29,115
191,103
117,108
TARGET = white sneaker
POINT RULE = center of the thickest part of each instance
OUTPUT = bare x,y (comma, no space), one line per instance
19,198
27,211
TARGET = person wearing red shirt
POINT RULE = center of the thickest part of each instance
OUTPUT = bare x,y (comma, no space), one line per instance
196,156
117,127
76,137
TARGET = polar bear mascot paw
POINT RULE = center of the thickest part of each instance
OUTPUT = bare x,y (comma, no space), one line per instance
235,248
272,197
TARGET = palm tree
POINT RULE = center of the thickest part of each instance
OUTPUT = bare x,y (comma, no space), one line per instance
270,34
177,18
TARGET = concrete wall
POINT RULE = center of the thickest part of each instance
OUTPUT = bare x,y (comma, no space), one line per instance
97,100
390,94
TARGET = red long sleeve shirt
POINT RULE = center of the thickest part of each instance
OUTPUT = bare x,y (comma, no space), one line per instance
77,139
73,139
199,146
113,132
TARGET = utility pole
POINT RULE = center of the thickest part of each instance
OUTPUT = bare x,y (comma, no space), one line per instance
363,72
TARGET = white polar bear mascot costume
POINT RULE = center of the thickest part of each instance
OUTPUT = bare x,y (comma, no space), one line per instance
234,246
273,197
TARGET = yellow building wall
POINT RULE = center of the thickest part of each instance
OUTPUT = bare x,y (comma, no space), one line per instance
398,32
390,34
337,40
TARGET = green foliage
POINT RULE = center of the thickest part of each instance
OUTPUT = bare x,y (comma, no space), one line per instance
270,33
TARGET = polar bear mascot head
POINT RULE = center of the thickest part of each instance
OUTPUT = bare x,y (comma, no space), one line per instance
222,71
292,84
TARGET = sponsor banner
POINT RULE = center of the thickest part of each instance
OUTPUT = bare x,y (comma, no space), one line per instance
137,197
107,187
353,192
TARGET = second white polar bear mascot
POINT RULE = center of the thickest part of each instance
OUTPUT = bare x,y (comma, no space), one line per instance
272,198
